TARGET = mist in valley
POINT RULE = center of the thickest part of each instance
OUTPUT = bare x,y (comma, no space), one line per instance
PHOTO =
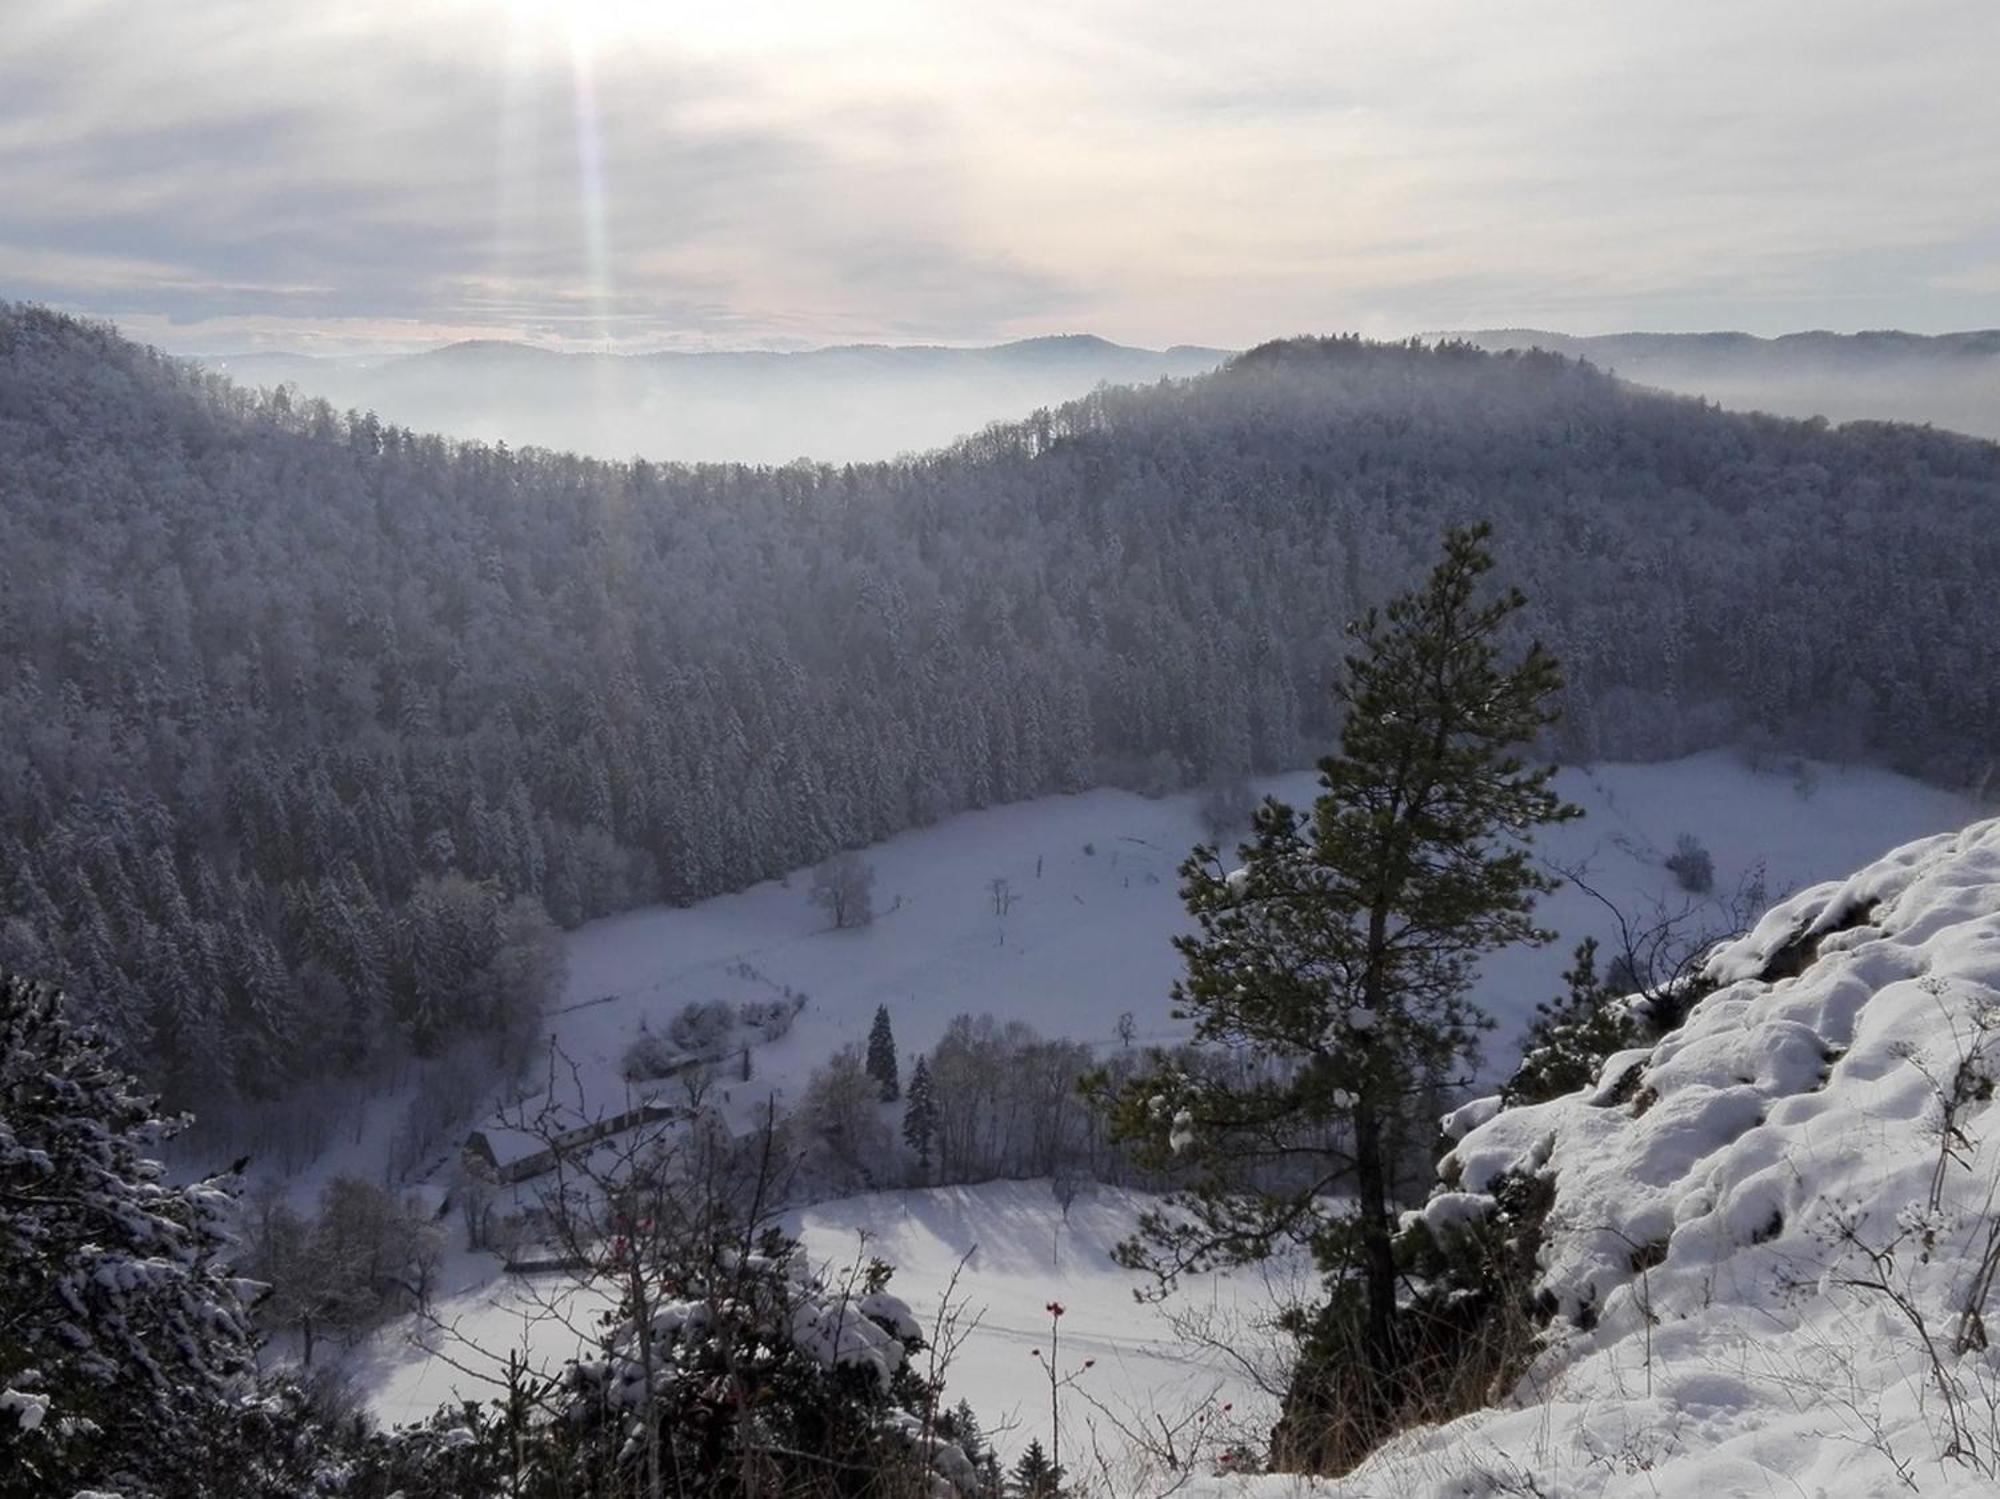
852,404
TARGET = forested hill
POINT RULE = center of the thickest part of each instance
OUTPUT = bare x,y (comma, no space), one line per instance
308,719
1952,379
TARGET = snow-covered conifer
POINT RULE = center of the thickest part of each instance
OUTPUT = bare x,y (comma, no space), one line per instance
124,1337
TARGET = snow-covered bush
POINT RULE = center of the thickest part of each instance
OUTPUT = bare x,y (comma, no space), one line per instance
651,1055
707,1030
770,1019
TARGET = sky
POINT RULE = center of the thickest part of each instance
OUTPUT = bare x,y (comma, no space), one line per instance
351,176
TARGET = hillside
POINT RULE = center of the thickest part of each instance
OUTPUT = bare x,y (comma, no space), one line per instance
1949,380
305,702
1770,1241
850,404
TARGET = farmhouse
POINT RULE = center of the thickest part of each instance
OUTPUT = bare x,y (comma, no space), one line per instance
515,1154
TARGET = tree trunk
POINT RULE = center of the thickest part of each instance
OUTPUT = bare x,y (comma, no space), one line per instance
1371,1182
1378,1260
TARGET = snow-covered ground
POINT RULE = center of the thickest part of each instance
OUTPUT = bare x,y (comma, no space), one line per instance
1086,938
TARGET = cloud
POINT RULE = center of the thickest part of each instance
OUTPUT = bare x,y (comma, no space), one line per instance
610,170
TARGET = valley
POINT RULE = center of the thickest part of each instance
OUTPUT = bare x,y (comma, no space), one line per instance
1087,939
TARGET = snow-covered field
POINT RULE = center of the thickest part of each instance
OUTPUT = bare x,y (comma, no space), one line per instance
1085,939
1095,906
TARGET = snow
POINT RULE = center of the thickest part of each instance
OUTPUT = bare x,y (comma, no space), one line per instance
26,1407
1087,938
1786,1147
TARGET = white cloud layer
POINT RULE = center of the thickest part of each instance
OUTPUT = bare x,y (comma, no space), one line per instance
723,172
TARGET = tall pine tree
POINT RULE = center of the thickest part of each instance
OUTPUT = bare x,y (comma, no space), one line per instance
1339,957
882,1056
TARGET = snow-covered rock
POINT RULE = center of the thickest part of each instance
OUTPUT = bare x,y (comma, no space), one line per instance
1771,1247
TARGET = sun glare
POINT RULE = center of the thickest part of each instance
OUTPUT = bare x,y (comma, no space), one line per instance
702,26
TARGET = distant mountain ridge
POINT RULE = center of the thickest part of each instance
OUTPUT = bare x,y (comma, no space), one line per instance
1947,379
846,403
865,401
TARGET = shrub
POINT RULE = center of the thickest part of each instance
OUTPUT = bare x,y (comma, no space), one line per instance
1691,865
771,1019
1574,1035
704,1028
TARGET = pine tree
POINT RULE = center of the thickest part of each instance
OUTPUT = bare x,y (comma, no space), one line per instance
920,1116
961,1425
1572,1035
1339,956
1034,1476
882,1056
124,1344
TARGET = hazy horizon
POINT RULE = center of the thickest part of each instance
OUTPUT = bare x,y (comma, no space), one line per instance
221,177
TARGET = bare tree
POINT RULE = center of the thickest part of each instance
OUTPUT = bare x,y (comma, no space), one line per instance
844,887
1658,949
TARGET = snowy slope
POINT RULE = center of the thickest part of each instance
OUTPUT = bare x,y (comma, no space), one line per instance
1814,1230
1011,1252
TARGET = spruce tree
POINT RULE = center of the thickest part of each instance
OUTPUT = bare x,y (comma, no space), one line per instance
1338,958
961,1425
920,1115
882,1056
1034,1476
